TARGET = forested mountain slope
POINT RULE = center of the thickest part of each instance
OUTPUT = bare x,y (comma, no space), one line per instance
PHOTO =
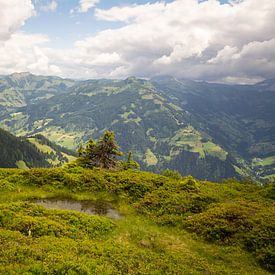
30,152
211,131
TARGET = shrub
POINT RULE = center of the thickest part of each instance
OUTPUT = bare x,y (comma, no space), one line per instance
35,220
174,201
247,224
173,174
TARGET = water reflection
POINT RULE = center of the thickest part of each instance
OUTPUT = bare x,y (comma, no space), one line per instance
87,207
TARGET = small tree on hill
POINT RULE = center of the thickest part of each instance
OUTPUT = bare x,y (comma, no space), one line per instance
88,157
107,151
80,150
130,163
102,153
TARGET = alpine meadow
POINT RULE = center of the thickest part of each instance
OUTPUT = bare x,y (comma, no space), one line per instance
137,137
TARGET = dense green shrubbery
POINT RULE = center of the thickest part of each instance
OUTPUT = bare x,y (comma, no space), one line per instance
172,202
135,184
231,213
269,191
239,222
35,220
202,208
51,255
173,174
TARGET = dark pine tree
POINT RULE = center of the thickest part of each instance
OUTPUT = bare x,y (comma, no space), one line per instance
102,153
107,151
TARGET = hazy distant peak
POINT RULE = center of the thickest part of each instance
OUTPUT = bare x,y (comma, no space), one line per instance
134,79
20,75
162,78
267,85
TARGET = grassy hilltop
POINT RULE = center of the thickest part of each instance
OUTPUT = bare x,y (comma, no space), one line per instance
168,226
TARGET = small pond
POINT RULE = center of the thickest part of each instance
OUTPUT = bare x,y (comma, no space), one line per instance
87,207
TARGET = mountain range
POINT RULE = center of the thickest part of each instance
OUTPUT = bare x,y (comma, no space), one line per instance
211,131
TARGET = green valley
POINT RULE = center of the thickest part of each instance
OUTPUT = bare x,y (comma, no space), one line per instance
211,131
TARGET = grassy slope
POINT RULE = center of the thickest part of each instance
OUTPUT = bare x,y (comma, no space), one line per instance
151,239
18,152
54,153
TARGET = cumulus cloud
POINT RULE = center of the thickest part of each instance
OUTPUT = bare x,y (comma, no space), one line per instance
85,5
194,39
13,14
128,13
21,51
188,38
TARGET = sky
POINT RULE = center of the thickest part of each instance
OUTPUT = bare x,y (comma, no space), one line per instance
228,41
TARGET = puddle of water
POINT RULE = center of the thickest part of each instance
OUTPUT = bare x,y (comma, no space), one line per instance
87,207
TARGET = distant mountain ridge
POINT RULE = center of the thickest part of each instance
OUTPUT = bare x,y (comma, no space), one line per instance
211,131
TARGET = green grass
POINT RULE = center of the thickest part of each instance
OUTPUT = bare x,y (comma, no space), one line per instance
53,159
150,158
69,157
213,149
61,137
150,239
265,161
127,119
191,140
135,244
21,164
42,147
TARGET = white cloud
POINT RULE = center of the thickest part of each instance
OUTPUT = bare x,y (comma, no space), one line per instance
20,51
225,55
240,80
85,5
52,6
41,64
128,13
23,52
186,38
13,14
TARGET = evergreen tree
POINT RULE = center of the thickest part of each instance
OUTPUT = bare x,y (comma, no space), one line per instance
90,153
80,150
130,163
102,153
107,151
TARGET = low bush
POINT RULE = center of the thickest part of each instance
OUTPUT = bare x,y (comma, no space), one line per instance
230,213
36,221
174,201
243,223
